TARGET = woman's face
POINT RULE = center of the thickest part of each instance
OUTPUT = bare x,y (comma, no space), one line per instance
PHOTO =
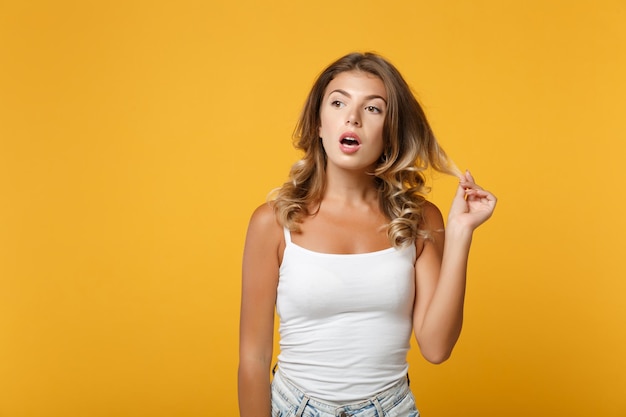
352,117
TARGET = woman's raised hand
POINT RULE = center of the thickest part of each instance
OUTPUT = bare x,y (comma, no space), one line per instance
472,205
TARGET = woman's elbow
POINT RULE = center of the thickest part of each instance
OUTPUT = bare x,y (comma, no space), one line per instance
435,354
436,348
437,358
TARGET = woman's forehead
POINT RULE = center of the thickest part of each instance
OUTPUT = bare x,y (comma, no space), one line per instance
357,82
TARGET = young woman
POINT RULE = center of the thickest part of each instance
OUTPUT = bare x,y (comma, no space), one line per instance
352,256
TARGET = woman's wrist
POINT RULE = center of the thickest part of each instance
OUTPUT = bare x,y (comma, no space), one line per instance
458,230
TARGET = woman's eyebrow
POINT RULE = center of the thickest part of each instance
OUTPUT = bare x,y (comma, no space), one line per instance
345,93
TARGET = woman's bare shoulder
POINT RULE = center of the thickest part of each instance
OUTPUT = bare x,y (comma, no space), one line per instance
264,222
264,240
433,226
432,217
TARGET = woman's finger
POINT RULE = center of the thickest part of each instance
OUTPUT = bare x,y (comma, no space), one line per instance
471,186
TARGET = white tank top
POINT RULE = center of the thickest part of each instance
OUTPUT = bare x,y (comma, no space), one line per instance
345,320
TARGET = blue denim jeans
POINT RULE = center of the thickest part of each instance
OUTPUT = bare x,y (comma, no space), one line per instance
289,401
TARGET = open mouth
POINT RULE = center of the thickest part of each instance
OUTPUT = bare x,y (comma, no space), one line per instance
348,141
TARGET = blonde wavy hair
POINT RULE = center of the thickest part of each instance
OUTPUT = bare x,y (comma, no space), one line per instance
410,149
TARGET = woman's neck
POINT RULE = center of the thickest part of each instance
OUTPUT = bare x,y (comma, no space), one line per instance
350,187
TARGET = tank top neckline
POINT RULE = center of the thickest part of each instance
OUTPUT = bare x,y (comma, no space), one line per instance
289,242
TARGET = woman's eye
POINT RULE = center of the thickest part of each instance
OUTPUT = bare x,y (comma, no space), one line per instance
373,109
337,103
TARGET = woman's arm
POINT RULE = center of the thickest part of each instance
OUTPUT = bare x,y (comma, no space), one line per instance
440,269
261,261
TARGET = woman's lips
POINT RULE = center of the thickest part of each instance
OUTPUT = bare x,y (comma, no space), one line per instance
349,142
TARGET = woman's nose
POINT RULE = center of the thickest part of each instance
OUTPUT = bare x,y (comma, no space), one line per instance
353,119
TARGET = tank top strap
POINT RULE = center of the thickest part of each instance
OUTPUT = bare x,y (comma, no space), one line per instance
287,234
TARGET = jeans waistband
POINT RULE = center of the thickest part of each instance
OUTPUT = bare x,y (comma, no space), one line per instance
382,401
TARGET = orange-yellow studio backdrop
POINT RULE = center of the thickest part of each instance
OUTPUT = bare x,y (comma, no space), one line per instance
136,138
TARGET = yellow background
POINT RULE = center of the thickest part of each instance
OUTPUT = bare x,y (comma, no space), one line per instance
137,137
